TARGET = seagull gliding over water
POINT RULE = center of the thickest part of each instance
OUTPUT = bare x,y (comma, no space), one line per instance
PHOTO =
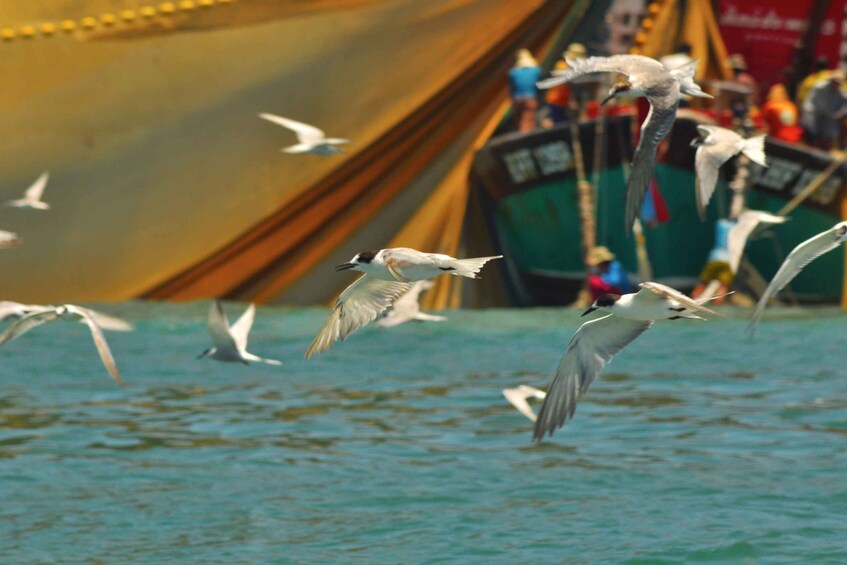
32,196
596,342
389,273
231,342
799,257
662,87
312,140
406,308
716,147
67,312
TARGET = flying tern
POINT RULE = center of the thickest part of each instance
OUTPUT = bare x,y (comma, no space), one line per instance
67,312
717,146
406,308
518,397
738,234
32,196
799,257
596,342
312,140
662,87
389,273
231,341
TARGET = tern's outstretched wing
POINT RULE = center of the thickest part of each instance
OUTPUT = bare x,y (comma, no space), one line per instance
654,129
110,323
590,349
219,327
305,133
35,190
707,166
99,341
738,234
406,307
659,290
621,64
240,330
26,323
358,305
799,257
517,397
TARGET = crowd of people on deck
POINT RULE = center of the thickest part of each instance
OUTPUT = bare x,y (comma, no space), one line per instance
815,115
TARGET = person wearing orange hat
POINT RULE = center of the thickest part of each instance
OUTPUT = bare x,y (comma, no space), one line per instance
781,115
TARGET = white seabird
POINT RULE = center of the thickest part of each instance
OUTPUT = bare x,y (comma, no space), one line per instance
518,397
312,140
744,226
231,342
32,196
799,257
9,239
10,309
662,87
406,308
596,342
717,146
389,273
68,312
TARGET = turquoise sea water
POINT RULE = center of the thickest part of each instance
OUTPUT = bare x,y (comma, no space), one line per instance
397,446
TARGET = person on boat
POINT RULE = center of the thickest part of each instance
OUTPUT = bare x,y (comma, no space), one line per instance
522,79
823,110
742,104
820,73
717,266
781,116
559,97
606,274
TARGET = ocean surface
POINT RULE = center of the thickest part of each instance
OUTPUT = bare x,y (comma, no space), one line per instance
397,446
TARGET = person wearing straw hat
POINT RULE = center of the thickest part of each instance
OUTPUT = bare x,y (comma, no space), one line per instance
558,97
606,274
524,92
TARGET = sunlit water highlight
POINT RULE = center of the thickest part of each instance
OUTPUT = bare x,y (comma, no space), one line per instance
397,446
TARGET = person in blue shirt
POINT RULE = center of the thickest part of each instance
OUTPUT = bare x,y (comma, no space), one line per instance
606,274
717,266
522,79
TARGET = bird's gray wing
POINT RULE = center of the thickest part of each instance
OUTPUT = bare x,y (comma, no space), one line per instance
621,64
799,257
358,305
740,232
307,134
26,323
10,309
654,129
590,349
99,341
36,189
219,327
707,164
657,290
240,330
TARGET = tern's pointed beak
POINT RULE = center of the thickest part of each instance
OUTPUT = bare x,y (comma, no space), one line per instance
606,99
590,310
344,266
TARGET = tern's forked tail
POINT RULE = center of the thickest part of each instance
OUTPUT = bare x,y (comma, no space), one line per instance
465,267
754,148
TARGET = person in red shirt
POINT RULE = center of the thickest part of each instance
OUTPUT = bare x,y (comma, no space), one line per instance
607,275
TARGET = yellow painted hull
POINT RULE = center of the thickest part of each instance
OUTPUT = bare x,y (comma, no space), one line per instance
149,125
